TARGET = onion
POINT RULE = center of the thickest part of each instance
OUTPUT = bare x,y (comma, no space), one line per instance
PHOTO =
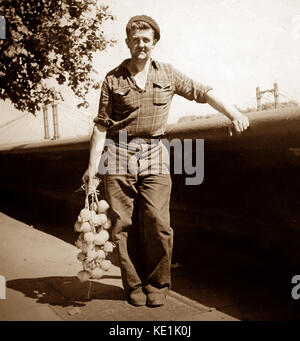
95,220
104,234
105,265
79,244
85,247
81,256
78,227
84,275
108,247
89,237
98,219
99,240
107,224
80,237
93,239
100,254
86,265
85,214
86,227
92,265
92,216
91,255
102,206
102,218
97,273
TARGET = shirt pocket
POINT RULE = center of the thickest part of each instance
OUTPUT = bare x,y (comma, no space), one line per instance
123,99
162,92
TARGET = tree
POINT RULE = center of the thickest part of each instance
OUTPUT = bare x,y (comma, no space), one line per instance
268,106
192,118
46,40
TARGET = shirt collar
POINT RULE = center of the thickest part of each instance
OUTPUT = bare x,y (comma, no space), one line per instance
125,62
155,64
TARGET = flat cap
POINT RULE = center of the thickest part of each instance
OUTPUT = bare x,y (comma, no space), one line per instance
148,20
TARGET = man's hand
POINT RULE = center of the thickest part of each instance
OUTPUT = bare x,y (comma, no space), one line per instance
239,123
96,147
88,174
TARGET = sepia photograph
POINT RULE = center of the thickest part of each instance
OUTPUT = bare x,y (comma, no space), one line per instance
149,163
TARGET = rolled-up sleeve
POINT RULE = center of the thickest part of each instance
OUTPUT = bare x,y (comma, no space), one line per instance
105,106
188,88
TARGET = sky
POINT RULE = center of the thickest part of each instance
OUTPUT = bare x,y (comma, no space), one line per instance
232,45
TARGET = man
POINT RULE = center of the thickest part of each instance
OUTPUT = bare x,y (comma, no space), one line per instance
135,100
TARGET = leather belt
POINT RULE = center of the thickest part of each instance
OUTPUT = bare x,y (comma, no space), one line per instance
147,138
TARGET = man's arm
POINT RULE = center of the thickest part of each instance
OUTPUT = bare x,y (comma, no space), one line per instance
102,122
96,148
240,122
195,91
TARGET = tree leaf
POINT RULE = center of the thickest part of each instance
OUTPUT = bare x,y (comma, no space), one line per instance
47,40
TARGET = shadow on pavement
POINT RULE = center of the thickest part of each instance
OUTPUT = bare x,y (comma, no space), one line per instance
65,291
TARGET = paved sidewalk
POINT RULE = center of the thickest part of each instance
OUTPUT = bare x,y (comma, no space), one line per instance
40,272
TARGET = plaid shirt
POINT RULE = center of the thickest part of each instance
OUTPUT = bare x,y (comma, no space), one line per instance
126,107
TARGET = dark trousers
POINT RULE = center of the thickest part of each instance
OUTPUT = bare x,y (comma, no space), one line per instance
139,209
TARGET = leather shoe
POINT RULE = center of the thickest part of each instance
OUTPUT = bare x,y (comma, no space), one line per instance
155,299
137,297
